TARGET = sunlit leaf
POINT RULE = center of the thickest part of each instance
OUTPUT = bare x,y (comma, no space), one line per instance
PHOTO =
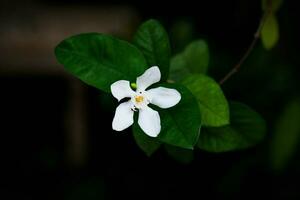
212,102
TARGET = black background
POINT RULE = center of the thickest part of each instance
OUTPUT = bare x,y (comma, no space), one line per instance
32,115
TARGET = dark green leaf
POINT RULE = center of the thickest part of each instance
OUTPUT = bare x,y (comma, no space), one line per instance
148,144
275,4
197,56
211,100
181,123
181,155
178,68
286,136
100,60
247,128
152,39
270,32
194,59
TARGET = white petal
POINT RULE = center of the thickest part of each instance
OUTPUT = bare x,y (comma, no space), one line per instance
163,97
123,117
149,77
149,121
121,89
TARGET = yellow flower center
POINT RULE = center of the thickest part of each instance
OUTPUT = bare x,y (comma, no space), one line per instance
139,99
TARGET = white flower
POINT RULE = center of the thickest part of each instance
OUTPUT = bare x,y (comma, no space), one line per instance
148,119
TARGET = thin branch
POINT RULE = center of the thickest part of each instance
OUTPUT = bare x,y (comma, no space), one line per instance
251,46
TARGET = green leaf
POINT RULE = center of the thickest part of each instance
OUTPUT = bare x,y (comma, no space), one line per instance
270,32
194,59
181,123
197,56
211,100
276,4
153,41
100,60
286,137
148,144
178,68
247,128
181,155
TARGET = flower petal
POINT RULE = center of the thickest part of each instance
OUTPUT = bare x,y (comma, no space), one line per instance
123,116
149,121
121,89
149,77
163,97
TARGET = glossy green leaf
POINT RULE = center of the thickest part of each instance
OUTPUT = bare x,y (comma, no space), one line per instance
181,123
148,144
211,100
100,60
286,138
270,32
194,59
275,4
181,155
153,41
247,128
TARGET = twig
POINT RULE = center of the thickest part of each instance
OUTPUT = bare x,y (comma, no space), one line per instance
251,46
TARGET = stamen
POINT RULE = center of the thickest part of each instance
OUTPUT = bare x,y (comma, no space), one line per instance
139,99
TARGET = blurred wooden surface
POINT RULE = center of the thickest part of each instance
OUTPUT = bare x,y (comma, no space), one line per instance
28,38
27,41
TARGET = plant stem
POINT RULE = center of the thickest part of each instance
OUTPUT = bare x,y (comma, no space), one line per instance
251,46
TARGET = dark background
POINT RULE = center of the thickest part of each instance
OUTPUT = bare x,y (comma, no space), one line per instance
56,138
